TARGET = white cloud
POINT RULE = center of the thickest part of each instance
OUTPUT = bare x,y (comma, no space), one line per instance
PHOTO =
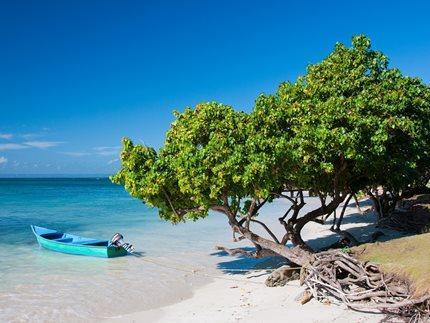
30,136
110,162
35,135
103,148
6,136
12,146
107,153
43,144
3,160
96,151
30,144
76,153
107,150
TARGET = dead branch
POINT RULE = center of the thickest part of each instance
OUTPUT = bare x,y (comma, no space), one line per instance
262,253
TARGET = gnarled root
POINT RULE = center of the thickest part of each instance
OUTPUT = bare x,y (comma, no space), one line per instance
347,240
361,286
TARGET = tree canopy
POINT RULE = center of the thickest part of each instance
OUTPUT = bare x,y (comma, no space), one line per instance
350,123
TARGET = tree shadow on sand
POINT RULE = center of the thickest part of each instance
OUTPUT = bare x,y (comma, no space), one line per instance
242,265
369,218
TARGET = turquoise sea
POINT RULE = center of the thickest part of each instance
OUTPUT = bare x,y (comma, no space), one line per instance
42,285
38,284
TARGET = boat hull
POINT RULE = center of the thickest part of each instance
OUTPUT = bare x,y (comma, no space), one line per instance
79,249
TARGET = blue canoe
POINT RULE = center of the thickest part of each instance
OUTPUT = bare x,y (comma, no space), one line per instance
72,244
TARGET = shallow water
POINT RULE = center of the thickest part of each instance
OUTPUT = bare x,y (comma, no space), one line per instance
42,285
38,284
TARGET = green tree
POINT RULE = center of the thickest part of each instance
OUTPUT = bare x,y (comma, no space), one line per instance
349,124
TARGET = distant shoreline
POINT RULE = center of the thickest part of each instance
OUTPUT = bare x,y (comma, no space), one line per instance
54,176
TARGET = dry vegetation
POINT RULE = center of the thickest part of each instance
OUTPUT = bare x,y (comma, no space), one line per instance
408,257
390,277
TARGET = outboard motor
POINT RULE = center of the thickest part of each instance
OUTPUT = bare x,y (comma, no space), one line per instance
117,240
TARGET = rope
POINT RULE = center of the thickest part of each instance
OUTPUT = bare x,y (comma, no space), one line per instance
196,271
199,272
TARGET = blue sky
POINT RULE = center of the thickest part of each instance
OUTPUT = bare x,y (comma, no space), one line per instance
76,76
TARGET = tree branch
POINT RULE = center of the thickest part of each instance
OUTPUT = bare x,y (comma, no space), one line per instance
345,205
267,229
170,203
284,196
318,212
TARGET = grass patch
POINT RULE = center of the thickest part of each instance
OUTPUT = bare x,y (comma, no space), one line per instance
408,257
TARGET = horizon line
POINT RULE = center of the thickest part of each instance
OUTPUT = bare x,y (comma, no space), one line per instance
12,176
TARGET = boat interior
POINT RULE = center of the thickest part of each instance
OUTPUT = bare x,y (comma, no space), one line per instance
72,239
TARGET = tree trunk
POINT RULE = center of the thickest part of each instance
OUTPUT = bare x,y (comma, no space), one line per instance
376,206
339,221
357,204
300,254
296,238
297,254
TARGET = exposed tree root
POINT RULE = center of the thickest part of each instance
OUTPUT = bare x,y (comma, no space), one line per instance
361,286
412,215
347,240
407,221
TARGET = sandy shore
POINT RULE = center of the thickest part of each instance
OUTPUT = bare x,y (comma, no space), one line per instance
249,300
226,301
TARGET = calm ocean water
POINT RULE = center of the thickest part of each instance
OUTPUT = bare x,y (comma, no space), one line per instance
39,284
42,285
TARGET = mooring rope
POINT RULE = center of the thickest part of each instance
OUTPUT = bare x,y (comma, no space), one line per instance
198,272
201,273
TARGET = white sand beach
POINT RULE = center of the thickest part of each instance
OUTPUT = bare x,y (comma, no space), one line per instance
248,299
225,301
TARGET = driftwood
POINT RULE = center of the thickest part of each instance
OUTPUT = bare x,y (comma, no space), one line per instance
258,253
282,275
361,286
